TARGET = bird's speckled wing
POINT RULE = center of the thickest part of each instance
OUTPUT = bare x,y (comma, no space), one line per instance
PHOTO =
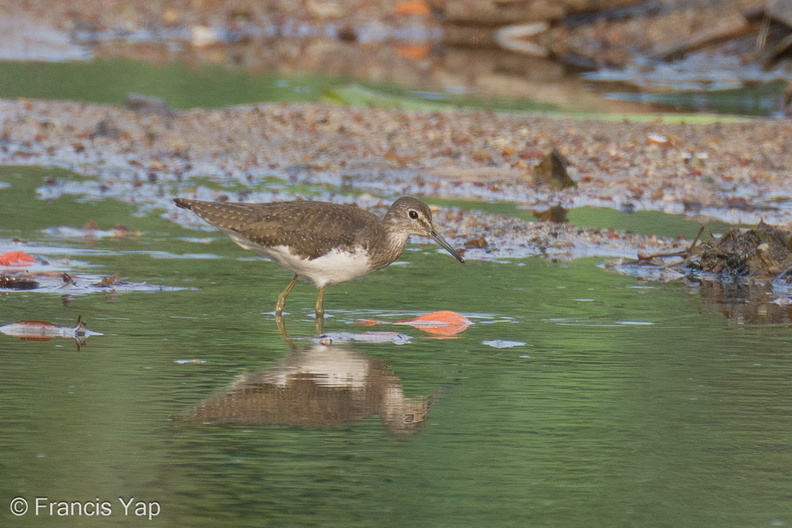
311,229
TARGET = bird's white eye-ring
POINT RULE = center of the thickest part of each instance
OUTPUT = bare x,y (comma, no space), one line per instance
413,214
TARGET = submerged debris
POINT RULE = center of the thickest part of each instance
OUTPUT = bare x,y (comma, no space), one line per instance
11,282
45,331
503,343
556,214
746,272
91,231
364,337
142,104
763,251
109,281
195,361
66,283
106,128
552,170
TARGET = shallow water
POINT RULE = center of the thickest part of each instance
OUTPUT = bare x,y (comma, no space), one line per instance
627,403
183,84
213,86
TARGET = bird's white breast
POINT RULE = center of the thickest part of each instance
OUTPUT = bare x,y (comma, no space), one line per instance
332,268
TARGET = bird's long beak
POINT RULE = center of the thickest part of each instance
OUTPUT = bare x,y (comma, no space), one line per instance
445,245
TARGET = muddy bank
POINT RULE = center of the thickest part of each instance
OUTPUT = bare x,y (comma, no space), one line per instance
736,172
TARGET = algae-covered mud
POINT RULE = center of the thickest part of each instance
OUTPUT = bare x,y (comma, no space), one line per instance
734,172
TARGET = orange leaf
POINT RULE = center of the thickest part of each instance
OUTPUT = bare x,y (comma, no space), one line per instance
16,258
413,51
443,322
412,7
369,322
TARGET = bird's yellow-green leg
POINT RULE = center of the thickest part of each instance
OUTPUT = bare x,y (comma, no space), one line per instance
319,306
281,326
318,325
285,293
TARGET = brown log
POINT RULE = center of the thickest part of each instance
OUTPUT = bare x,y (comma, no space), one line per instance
780,10
725,28
501,12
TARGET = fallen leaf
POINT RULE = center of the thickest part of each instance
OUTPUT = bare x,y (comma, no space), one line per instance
412,7
443,322
413,51
477,243
658,139
16,258
553,171
107,282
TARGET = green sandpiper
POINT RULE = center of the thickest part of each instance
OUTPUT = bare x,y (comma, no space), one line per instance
325,243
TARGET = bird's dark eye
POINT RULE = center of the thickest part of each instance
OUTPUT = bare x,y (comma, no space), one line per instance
413,214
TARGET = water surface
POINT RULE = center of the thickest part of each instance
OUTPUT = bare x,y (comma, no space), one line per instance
627,403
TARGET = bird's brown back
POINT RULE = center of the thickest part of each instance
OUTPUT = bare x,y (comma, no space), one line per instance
311,229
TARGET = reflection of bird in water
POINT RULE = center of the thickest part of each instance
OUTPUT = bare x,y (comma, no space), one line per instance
315,387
